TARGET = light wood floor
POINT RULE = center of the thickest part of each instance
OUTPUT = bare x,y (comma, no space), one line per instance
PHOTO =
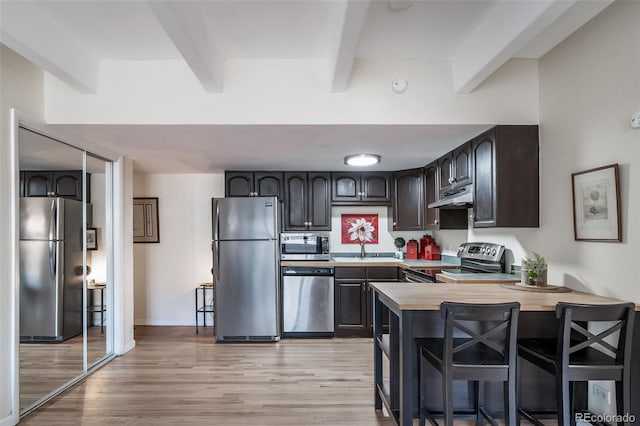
175,377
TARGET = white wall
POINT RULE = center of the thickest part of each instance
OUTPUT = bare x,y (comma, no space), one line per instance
589,87
21,87
295,92
167,273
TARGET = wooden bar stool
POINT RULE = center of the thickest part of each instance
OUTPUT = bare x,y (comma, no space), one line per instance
479,345
578,355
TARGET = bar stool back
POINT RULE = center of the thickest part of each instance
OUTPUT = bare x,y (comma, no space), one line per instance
479,345
579,355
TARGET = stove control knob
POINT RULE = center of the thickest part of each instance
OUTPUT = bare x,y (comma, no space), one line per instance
482,249
493,252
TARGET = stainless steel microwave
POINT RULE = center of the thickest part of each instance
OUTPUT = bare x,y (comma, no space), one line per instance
304,246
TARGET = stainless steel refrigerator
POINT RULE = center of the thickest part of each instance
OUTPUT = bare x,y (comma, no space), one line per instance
246,268
50,269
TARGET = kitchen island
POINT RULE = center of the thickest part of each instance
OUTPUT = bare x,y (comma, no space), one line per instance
415,312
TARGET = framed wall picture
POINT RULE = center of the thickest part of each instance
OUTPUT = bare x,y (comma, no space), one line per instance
596,204
146,228
357,228
92,239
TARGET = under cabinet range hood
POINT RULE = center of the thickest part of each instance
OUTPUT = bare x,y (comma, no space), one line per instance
454,199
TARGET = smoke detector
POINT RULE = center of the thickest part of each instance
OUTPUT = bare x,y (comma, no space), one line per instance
399,85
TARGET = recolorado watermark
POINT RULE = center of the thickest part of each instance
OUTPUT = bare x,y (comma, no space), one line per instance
605,418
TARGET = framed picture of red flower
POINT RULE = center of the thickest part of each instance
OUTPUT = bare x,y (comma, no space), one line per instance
356,228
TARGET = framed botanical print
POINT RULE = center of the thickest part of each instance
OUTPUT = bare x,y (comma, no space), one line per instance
596,204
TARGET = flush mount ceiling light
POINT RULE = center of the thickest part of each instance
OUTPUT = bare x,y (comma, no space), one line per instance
361,160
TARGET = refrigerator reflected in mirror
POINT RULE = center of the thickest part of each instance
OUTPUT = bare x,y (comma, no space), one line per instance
65,307
51,267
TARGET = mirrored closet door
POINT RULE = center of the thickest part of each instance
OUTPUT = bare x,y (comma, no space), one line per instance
65,247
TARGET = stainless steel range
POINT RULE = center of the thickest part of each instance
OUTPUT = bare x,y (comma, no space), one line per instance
480,258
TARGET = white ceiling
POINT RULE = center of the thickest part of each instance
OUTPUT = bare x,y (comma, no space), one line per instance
477,36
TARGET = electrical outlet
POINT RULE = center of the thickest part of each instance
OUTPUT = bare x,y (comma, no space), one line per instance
601,393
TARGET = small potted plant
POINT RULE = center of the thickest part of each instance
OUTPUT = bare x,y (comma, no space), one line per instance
533,270
399,243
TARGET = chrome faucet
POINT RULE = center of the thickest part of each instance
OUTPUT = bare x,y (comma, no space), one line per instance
362,252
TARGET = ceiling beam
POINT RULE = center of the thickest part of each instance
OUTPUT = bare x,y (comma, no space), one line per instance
507,28
32,33
185,25
348,22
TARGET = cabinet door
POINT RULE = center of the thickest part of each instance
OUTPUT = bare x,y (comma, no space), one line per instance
376,188
268,184
351,308
37,184
346,187
431,216
484,205
462,164
239,184
319,201
68,184
445,172
295,201
408,203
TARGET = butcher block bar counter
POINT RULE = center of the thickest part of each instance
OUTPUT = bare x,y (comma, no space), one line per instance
415,312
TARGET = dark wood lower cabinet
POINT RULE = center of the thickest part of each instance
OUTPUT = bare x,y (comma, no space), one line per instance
353,299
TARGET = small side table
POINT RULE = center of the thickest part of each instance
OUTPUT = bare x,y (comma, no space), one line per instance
101,309
202,307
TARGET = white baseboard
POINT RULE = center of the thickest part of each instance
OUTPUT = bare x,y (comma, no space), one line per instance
144,321
129,346
9,421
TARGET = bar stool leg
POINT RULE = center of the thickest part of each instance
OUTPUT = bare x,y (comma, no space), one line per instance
447,400
623,398
562,399
479,389
510,402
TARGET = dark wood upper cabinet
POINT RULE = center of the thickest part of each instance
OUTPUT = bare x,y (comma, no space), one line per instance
54,183
253,184
455,168
238,184
307,204
268,184
408,200
361,188
346,187
376,187
435,218
506,177
38,184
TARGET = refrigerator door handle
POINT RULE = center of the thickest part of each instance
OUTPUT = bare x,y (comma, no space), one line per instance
52,259
216,261
216,216
53,221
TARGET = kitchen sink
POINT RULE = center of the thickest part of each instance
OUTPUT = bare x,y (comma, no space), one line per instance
365,259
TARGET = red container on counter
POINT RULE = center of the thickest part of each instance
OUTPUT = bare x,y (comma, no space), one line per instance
412,249
431,252
424,242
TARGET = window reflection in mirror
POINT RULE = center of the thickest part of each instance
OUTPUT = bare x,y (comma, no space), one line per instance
98,249
51,265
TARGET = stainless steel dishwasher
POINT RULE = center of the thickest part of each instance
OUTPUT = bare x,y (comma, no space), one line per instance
307,301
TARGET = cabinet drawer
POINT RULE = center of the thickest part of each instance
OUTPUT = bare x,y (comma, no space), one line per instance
354,272
382,273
